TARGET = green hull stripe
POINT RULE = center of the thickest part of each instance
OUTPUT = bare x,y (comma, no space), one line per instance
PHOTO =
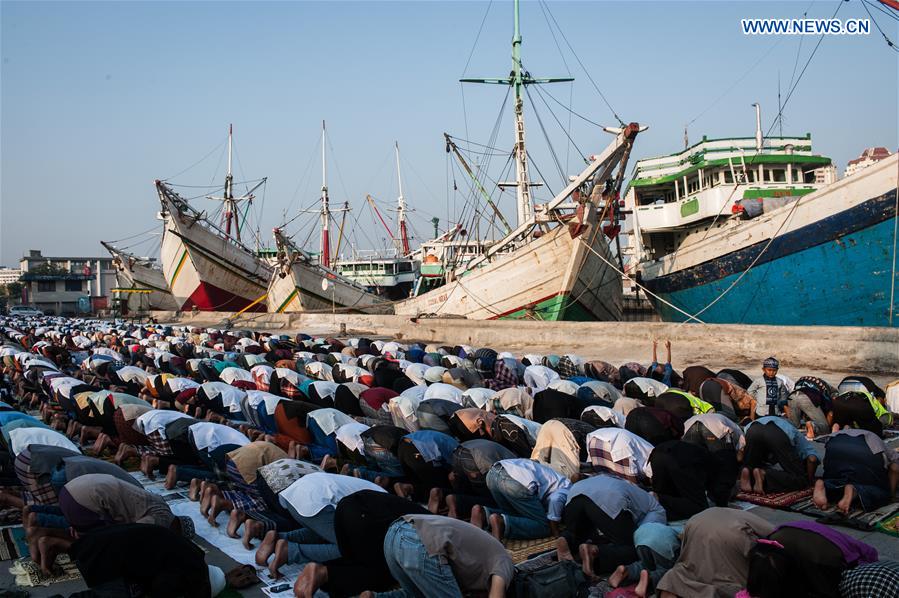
287,301
554,309
178,268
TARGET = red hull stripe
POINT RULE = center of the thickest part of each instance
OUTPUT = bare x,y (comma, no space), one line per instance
208,297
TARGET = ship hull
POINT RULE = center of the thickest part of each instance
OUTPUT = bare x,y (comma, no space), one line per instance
144,278
553,277
300,290
209,273
831,264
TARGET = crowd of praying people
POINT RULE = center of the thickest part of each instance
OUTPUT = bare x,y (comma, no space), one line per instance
405,469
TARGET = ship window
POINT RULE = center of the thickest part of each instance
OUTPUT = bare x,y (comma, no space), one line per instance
808,177
728,177
777,175
405,267
751,175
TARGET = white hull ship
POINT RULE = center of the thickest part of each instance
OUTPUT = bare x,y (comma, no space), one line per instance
300,283
140,274
205,267
556,263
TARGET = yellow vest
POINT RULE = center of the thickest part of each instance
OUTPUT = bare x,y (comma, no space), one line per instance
699,406
879,409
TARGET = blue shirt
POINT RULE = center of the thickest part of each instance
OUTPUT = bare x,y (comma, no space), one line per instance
544,482
666,374
802,444
435,447
614,495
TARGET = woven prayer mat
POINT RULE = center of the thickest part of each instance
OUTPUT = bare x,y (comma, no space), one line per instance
13,544
521,550
28,574
775,500
856,519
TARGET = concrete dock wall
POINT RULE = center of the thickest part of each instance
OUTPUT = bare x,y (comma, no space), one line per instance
811,348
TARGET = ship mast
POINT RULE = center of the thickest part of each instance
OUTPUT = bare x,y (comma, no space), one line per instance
325,210
401,205
518,78
523,187
230,206
231,214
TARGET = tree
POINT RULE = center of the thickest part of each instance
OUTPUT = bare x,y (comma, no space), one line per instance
47,268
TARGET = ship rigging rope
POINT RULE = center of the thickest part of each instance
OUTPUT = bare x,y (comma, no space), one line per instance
876,24
586,72
223,142
793,87
788,217
640,286
140,234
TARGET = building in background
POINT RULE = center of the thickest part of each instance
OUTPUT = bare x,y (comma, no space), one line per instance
67,285
870,156
8,275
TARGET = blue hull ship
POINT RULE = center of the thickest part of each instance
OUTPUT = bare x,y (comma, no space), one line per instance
774,250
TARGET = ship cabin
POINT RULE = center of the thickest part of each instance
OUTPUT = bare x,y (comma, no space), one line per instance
440,257
375,270
670,197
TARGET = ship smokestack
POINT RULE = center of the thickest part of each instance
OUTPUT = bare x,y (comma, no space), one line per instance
758,127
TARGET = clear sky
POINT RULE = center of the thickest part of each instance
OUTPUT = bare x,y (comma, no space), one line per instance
99,99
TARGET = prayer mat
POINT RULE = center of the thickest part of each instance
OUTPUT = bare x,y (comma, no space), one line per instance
889,526
12,543
775,500
10,516
522,550
28,574
856,519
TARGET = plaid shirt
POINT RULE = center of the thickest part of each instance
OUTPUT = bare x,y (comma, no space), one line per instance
34,493
566,367
874,580
245,497
603,463
503,377
158,446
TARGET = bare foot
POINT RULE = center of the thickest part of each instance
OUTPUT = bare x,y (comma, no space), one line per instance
758,476
588,553
819,497
235,520
642,589
478,517
251,529
193,493
618,576
403,490
435,500
563,551
266,549
451,507
171,477
346,469
278,560
217,505
383,482
497,526
328,463
810,430
148,465
745,482
314,576
846,502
